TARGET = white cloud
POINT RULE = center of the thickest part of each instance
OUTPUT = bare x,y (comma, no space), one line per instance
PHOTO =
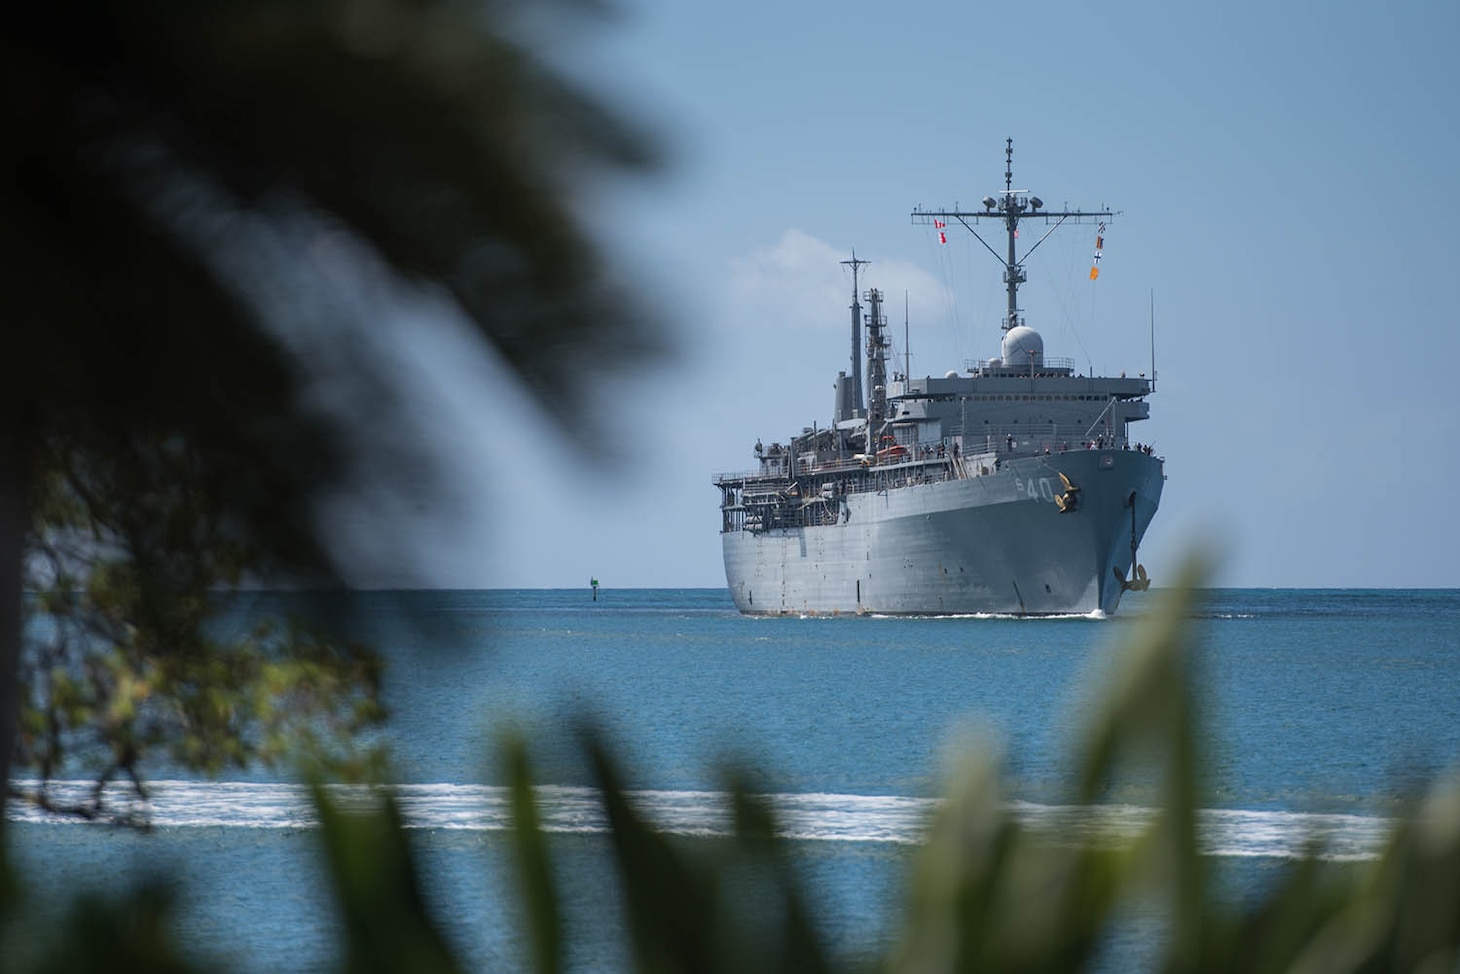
796,282
800,282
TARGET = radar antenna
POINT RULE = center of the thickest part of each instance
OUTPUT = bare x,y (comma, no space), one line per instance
1011,207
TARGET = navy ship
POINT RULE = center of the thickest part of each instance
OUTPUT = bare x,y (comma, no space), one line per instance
1011,487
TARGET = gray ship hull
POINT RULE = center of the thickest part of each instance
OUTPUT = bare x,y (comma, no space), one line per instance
996,543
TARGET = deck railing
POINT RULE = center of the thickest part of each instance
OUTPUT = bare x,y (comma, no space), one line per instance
1001,441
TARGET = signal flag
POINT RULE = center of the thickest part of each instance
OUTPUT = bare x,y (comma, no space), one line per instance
1095,261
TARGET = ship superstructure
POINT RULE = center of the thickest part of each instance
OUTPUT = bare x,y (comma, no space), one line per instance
1014,486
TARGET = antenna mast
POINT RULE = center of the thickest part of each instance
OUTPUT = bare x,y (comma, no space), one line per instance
906,344
1011,207
1153,339
858,402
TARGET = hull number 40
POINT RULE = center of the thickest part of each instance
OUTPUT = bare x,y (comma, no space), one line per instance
1039,490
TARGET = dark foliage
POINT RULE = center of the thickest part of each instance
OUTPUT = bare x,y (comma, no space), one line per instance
185,185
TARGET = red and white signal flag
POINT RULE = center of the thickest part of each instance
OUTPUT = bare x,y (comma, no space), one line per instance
939,225
1099,243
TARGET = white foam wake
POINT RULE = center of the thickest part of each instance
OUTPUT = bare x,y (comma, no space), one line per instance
812,817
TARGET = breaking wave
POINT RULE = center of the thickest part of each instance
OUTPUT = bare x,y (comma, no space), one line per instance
807,817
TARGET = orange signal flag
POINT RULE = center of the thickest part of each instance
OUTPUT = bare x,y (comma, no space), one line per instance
1094,273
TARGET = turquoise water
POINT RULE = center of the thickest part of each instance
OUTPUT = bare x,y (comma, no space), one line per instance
1324,711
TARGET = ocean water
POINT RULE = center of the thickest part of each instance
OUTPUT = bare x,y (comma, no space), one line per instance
1324,712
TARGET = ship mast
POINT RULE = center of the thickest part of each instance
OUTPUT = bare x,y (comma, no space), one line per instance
1011,206
858,403
876,367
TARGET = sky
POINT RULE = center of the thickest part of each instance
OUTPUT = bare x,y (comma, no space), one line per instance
1287,181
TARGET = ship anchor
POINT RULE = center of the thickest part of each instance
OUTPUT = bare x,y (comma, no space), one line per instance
1138,581
1069,501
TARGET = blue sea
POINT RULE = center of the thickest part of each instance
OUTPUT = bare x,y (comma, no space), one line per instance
1324,713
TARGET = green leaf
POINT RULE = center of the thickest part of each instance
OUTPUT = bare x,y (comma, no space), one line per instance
537,890
372,872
